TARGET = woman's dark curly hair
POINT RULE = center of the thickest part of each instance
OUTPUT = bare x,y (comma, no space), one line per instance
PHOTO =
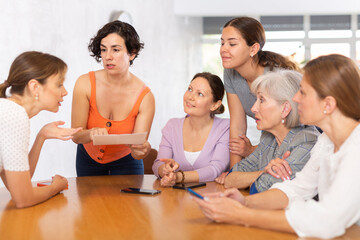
124,30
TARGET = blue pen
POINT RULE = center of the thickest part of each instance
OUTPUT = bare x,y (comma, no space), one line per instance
229,172
194,193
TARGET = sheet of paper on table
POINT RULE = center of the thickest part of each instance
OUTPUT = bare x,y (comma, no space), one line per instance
115,139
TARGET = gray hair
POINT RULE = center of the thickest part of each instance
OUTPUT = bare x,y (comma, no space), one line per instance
281,85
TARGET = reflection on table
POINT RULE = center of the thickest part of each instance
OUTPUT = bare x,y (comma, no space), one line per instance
94,208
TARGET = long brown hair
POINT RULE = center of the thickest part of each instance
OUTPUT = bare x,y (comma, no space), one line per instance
217,89
31,65
337,76
253,32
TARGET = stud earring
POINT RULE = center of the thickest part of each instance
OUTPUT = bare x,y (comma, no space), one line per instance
324,111
282,121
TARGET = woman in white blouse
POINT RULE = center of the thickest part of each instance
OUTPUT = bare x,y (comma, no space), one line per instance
329,98
36,83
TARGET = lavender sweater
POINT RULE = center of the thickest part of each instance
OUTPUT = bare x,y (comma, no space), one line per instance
214,157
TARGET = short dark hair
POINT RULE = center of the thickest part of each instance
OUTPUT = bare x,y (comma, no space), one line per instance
217,89
124,30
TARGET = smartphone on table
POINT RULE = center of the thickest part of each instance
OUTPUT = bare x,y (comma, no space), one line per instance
140,191
189,185
192,192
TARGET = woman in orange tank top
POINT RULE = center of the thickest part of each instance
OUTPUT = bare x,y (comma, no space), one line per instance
112,101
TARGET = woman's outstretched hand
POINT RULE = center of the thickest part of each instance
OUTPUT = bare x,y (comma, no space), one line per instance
53,131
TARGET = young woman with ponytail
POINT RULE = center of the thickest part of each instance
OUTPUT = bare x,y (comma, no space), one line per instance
35,82
243,59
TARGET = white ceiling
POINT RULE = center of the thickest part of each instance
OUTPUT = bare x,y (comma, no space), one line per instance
264,7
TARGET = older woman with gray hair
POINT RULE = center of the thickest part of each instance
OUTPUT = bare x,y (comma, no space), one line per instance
283,137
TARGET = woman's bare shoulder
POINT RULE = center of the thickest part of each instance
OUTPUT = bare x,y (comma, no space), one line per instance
83,83
83,78
137,81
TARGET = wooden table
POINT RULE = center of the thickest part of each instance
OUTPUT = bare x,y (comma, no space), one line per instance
94,208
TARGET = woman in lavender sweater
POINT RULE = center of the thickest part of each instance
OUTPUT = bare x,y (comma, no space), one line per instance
195,148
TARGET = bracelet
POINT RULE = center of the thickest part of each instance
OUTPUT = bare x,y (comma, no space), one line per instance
183,176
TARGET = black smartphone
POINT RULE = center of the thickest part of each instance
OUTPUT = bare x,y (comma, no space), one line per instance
192,192
189,185
140,191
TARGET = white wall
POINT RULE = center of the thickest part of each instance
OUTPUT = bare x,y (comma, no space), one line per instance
172,55
264,7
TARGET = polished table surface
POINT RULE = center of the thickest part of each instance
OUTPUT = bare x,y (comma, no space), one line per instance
94,208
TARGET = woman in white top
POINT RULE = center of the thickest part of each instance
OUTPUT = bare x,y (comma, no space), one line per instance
36,83
328,98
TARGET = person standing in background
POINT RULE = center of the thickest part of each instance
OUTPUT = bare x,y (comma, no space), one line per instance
243,59
112,101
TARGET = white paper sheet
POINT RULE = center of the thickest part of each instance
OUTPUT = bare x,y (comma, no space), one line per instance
115,139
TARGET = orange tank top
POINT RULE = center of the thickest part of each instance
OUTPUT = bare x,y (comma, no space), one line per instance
110,153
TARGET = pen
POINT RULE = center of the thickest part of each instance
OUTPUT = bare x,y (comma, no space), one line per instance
194,193
229,172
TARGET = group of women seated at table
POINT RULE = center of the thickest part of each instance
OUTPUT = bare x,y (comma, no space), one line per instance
292,159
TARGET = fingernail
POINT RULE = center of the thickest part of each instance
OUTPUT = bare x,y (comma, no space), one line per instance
288,178
222,194
206,199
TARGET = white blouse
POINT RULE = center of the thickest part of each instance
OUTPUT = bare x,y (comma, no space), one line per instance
14,136
336,178
191,156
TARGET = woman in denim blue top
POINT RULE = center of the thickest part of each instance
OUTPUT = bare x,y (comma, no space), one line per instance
283,136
